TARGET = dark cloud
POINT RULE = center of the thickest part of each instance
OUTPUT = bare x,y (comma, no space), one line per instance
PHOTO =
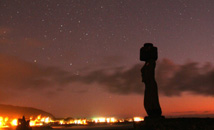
192,77
19,74
173,79
118,80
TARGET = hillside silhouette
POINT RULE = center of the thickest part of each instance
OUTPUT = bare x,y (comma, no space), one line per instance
17,111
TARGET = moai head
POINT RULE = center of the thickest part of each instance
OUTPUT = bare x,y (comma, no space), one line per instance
148,52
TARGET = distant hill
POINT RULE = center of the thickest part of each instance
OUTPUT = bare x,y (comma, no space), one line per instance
17,111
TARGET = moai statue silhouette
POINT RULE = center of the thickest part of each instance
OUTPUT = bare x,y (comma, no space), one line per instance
149,54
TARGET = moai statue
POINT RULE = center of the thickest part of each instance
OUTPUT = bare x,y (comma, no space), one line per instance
149,54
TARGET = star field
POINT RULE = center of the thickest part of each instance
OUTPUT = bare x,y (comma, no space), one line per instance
79,36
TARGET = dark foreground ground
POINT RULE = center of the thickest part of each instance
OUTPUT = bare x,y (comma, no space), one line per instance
160,124
177,124
163,124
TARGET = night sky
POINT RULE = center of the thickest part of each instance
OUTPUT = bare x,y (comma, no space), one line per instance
80,58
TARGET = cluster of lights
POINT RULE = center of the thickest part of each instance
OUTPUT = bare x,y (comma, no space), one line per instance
137,119
39,121
72,121
96,120
104,120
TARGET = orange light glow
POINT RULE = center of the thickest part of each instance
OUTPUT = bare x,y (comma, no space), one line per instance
136,119
104,120
3,122
14,122
6,122
39,121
